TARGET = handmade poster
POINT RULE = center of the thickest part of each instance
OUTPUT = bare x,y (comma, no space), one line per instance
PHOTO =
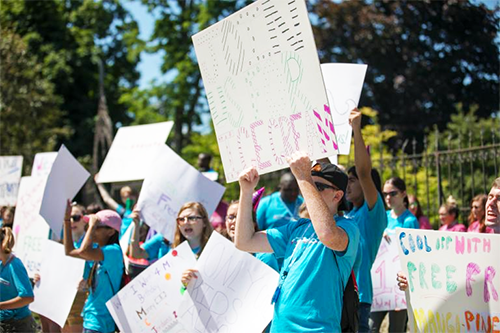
30,229
232,293
386,293
171,182
150,302
67,176
453,278
343,83
133,152
265,91
59,278
10,175
43,163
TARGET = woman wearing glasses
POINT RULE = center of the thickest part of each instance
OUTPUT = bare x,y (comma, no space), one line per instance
193,225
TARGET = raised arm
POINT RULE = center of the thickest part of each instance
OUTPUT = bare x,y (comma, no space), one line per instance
136,251
321,216
106,197
86,250
246,239
362,160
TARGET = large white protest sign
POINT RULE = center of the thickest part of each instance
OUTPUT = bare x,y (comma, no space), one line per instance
59,278
150,302
10,175
30,229
386,293
43,163
66,178
133,152
171,183
232,293
263,81
453,278
344,83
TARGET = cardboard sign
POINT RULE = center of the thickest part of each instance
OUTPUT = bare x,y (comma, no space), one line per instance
10,175
133,152
59,278
344,83
263,81
67,176
43,163
453,280
232,293
150,302
171,182
386,293
30,229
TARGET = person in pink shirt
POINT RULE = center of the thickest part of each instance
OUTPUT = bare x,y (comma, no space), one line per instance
415,209
448,215
477,215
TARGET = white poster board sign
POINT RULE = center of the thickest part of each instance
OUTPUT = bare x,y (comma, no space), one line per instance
30,229
10,175
232,293
343,83
133,151
171,182
59,279
453,278
386,293
263,81
67,176
43,163
150,302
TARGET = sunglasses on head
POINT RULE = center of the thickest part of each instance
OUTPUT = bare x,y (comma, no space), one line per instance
391,193
322,186
76,218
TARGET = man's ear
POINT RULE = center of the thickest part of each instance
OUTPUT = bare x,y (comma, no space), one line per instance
338,196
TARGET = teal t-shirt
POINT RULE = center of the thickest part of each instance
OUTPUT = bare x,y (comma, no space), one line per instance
405,220
273,212
269,259
311,294
14,281
107,283
371,224
156,247
126,219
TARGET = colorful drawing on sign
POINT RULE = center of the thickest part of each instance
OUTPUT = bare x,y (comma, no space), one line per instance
43,163
10,175
264,87
386,294
133,151
453,280
343,83
171,182
150,302
30,229
232,293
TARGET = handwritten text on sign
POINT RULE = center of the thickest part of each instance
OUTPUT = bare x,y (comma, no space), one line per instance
386,294
232,293
454,280
261,73
10,175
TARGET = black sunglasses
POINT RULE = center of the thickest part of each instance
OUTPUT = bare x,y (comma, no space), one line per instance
391,194
76,218
322,186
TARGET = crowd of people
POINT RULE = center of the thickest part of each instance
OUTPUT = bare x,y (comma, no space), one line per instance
304,231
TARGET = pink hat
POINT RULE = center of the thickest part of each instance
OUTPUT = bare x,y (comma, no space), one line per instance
109,218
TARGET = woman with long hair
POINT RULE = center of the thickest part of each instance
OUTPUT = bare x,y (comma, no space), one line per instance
416,209
106,266
477,215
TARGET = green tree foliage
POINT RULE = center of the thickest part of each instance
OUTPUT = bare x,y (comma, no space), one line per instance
176,22
423,57
30,114
66,38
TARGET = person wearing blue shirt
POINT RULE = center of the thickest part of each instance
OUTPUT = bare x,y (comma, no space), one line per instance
15,289
280,207
319,252
107,268
153,249
363,191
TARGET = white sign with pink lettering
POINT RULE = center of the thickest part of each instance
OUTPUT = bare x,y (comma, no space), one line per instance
263,81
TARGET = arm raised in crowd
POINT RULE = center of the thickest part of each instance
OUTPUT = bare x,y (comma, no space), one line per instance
106,197
246,239
136,251
362,160
319,211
